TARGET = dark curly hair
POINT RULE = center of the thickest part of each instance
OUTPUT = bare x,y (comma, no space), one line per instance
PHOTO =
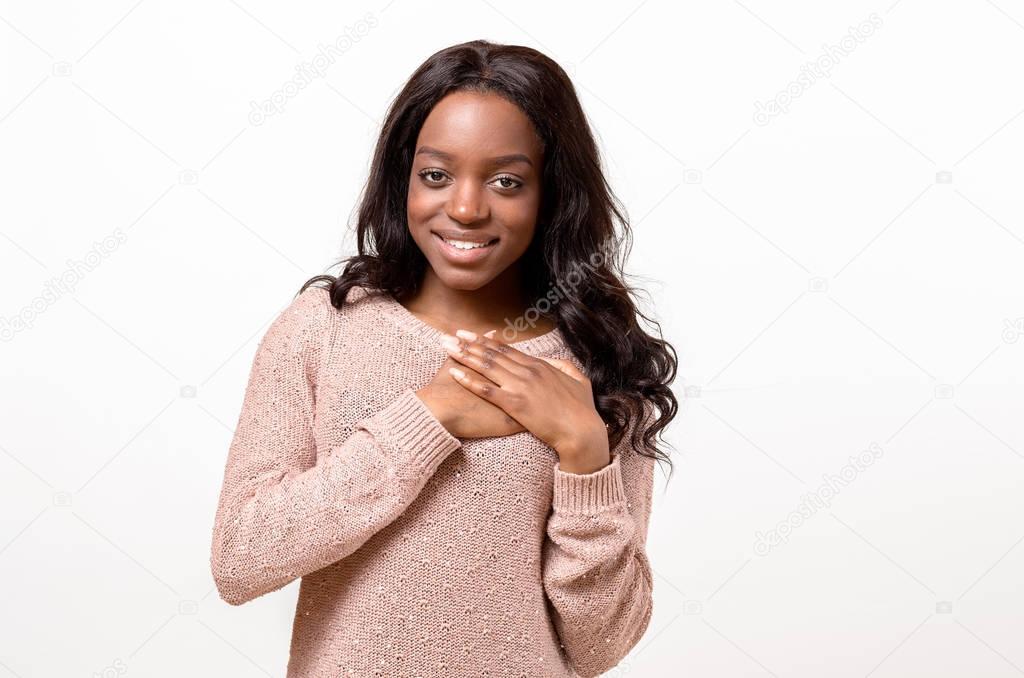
627,367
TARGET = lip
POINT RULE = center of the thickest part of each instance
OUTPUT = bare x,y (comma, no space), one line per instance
457,256
467,236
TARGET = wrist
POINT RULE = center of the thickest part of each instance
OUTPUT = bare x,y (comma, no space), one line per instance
437,407
585,453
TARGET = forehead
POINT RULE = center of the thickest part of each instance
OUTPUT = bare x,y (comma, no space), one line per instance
471,125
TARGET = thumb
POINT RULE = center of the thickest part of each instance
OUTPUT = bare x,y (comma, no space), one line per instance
564,366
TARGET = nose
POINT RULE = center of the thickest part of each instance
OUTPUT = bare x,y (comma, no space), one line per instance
466,205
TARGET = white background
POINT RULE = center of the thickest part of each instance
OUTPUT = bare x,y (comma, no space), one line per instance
847,275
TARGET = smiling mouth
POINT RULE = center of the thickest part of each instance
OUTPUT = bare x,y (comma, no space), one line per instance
466,245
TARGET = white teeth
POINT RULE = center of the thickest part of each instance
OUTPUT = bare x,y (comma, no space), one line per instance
463,245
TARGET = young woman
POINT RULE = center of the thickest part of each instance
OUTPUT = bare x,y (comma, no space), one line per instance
452,443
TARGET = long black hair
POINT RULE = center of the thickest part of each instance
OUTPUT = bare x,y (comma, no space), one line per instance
576,257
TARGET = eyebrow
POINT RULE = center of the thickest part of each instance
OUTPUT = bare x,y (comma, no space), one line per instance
497,161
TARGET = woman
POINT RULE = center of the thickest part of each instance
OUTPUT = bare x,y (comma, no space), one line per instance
452,442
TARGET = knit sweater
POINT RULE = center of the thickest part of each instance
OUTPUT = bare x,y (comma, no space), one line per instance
420,553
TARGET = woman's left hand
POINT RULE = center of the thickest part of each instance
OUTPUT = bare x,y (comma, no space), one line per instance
550,397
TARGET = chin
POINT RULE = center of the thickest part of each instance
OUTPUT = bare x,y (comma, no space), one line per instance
462,280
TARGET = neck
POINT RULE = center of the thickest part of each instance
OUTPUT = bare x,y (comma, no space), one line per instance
478,310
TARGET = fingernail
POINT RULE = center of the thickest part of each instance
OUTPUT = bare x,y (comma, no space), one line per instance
490,333
466,334
456,372
448,341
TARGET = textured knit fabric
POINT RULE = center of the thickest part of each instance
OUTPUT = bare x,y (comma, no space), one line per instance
420,554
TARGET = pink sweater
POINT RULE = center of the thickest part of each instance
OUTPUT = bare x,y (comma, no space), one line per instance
421,554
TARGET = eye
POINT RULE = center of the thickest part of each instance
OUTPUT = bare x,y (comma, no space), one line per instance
435,177
433,174
504,177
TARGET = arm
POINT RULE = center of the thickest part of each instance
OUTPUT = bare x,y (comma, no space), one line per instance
285,509
596,573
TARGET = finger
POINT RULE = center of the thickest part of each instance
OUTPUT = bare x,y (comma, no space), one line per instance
565,367
506,350
487,355
477,384
486,361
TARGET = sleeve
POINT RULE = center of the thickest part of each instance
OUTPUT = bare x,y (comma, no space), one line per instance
595,568
287,509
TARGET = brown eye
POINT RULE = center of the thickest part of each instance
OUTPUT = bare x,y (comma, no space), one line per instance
436,176
515,183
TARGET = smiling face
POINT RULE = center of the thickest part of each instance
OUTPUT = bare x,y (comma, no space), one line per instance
474,189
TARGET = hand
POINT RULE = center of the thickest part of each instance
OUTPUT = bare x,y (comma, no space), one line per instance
549,397
462,413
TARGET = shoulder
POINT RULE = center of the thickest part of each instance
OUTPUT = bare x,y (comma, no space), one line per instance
301,325
311,319
309,310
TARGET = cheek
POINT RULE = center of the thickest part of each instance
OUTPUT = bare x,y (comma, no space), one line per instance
417,205
520,219
423,203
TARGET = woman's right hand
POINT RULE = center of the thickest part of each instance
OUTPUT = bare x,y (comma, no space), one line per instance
462,412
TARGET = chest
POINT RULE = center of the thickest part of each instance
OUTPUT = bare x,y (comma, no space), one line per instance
508,478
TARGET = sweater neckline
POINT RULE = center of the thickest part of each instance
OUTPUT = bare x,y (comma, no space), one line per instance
545,343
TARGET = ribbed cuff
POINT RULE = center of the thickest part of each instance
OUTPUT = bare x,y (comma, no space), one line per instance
588,492
412,433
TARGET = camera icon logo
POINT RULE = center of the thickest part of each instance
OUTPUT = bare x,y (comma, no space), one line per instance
692,176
